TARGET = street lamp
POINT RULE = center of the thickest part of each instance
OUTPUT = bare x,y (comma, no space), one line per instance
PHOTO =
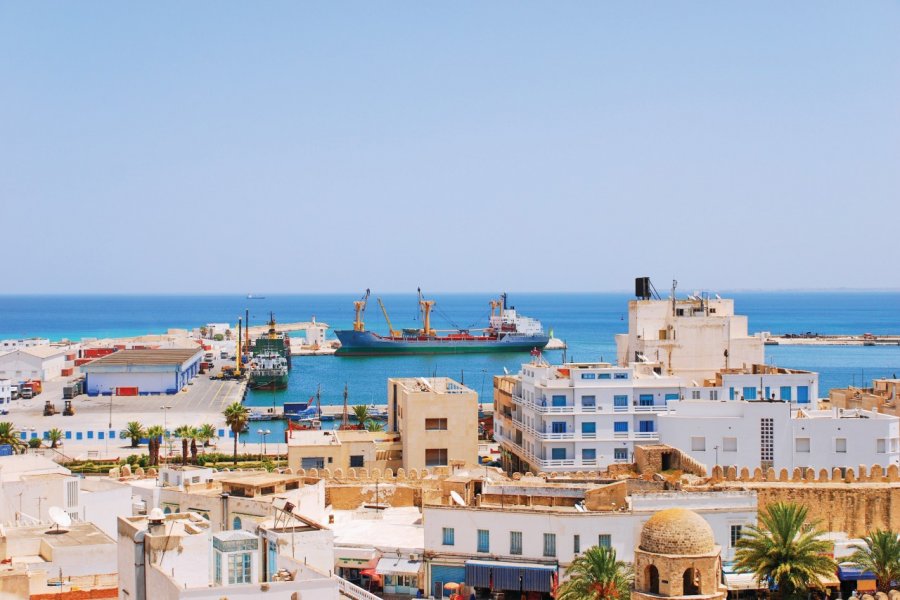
263,433
165,410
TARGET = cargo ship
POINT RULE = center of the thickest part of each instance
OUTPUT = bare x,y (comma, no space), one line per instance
271,360
507,331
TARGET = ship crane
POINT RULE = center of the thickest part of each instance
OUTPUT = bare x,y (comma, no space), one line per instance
426,306
360,307
393,332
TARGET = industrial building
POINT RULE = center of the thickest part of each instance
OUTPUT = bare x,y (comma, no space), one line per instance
41,362
142,372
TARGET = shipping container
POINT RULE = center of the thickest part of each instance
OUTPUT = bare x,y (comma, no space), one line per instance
96,352
67,372
126,391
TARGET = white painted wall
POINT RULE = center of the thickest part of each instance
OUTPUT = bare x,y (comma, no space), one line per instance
721,510
154,382
103,502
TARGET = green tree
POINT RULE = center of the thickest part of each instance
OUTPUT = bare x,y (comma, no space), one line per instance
597,575
10,435
55,436
185,433
374,426
155,434
35,443
236,417
785,551
206,433
133,431
361,412
879,555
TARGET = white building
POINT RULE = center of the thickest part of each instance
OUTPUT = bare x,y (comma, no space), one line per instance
133,372
208,566
37,362
694,337
537,542
31,485
13,344
773,434
5,395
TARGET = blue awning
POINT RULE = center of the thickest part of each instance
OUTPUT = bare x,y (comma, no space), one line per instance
509,576
850,573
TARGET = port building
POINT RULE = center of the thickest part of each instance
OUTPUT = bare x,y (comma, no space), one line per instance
142,372
41,362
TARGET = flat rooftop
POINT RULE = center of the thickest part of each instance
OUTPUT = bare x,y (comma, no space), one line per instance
76,534
431,385
162,356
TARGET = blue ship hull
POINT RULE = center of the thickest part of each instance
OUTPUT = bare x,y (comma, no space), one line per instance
367,343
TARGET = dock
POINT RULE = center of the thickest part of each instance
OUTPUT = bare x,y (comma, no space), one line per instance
815,339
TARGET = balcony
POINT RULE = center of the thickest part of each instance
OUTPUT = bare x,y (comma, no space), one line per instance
636,408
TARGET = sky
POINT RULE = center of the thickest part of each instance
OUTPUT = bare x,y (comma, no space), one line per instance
171,147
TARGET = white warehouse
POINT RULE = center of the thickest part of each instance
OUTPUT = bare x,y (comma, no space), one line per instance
140,372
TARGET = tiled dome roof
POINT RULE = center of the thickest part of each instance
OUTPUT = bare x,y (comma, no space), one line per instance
677,531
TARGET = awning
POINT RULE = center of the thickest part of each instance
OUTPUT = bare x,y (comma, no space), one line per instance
398,566
496,575
742,581
851,573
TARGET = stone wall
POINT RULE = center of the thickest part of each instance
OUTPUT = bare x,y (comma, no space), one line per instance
650,459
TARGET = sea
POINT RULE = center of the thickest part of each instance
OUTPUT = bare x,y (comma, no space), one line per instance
587,322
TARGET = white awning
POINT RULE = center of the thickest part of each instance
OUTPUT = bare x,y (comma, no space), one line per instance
398,566
742,581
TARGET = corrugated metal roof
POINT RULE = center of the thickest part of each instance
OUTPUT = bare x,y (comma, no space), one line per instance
146,357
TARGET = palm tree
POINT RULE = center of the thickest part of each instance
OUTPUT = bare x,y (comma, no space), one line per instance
154,435
185,432
195,433
361,412
206,433
236,417
880,555
597,575
135,431
785,551
54,435
11,436
374,426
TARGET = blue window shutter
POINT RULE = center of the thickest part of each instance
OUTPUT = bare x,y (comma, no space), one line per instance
620,426
785,392
803,394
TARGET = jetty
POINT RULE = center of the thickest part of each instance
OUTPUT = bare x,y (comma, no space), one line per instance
816,339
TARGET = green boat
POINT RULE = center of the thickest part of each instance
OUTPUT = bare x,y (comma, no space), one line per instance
271,360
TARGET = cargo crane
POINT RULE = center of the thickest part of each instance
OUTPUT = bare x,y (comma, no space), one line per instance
426,306
360,307
393,332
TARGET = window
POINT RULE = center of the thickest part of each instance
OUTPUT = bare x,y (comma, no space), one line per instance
449,535
588,427
589,376
880,446
588,401
558,401
735,534
313,462
515,542
620,427
72,493
484,540
605,540
558,427
576,544
435,424
713,394
218,562
620,401
621,376
749,393
239,567
731,393
549,544
588,454
620,453
802,445
436,457
645,400
785,392
729,444
646,426
604,376
698,444
840,445
670,397
357,461
695,394
802,394
236,523
558,453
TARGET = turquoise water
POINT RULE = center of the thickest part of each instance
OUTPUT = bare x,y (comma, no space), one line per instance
586,321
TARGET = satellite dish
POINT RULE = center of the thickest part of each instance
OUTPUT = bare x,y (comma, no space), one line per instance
60,518
457,498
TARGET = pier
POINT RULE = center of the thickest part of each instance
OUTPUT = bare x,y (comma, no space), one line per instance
815,339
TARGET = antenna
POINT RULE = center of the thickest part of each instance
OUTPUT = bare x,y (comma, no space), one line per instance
60,518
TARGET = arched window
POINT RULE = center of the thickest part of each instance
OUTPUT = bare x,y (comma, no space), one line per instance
236,524
691,582
653,579
167,510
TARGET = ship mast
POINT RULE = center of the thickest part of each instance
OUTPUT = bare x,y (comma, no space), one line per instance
360,307
237,366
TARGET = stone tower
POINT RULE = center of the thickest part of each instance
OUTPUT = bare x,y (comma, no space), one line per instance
677,558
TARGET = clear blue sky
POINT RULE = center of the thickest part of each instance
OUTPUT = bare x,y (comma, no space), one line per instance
458,146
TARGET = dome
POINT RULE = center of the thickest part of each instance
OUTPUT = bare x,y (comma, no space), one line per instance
677,531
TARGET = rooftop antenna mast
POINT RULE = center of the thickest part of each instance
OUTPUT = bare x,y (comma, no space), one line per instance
674,285
345,416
